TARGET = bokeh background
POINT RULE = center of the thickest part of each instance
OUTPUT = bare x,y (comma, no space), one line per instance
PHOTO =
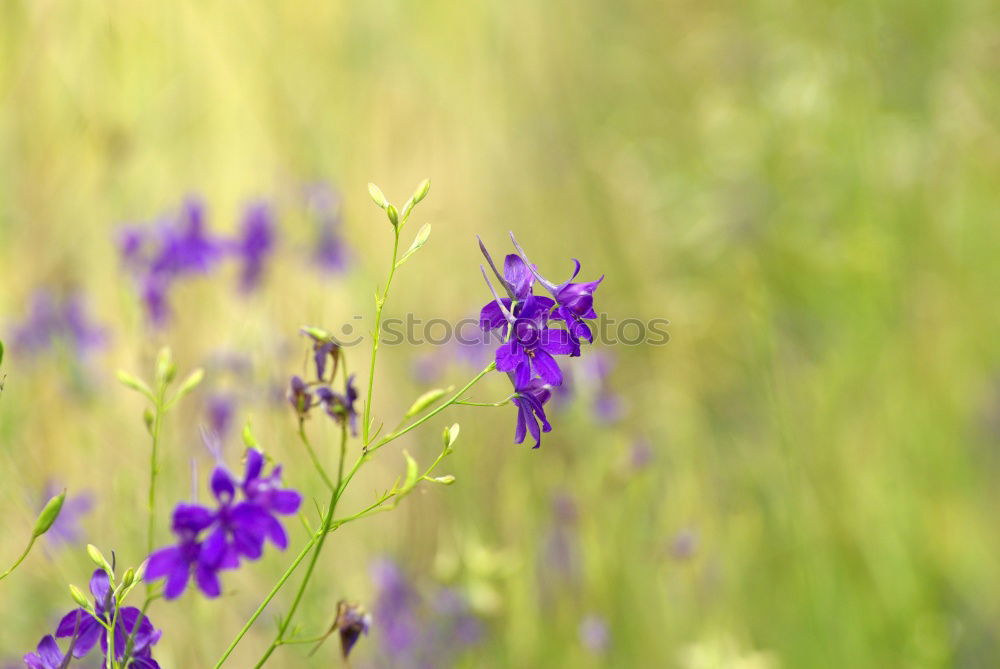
805,476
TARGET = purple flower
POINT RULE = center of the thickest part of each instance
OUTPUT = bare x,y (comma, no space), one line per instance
574,301
532,344
530,400
300,396
340,406
235,529
266,491
417,633
176,246
176,563
329,252
324,346
254,244
594,633
351,623
48,656
51,321
517,281
86,630
220,409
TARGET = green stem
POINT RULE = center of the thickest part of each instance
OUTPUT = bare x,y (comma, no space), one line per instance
157,419
376,335
327,521
267,600
453,400
312,455
20,559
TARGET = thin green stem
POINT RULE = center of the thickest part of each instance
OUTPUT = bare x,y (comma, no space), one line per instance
267,600
153,467
454,399
16,564
312,454
376,335
327,521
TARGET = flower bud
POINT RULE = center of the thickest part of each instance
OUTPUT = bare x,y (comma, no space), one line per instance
79,597
393,215
49,514
165,367
97,557
447,479
148,418
421,192
129,577
377,196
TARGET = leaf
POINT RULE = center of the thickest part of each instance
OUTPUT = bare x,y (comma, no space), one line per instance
426,400
418,241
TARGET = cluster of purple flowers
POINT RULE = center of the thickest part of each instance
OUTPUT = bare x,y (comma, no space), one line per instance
212,539
53,321
180,245
134,634
529,344
419,632
304,396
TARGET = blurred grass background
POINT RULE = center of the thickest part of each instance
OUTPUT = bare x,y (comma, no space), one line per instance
809,192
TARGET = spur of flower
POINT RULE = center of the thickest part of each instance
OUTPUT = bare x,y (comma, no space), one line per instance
210,540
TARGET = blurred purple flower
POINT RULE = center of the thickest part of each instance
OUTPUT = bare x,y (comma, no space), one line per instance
684,544
351,623
49,656
595,634
66,528
329,251
177,245
417,633
340,406
51,321
254,244
219,409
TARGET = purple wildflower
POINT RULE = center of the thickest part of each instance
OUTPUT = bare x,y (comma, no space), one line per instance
235,529
177,246
530,400
340,406
300,396
254,244
175,563
86,630
324,346
51,321
48,655
219,408
329,251
532,344
574,301
351,623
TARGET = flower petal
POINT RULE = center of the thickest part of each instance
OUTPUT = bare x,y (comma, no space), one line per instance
547,368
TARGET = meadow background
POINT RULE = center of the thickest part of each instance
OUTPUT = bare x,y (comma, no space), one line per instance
805,476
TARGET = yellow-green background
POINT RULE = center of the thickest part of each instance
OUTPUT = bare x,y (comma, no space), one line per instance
808,191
